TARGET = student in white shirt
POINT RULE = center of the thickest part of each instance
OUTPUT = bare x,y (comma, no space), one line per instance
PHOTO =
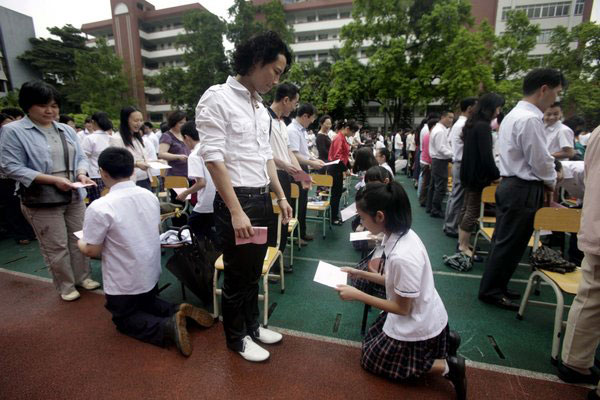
528,179
441,154
202,219
455,201
383,159
234,143
123,228
560,138
411,337
92,145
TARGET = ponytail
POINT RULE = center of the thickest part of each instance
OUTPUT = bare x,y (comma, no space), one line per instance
102,120
392,200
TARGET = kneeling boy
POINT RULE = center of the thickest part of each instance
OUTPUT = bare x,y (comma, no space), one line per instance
123,227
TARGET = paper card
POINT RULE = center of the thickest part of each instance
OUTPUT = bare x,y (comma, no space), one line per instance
330,275
302,176
158,165
545,233
332,162
181,190
260,236
316,203
78,185
364,235
348,212
78,235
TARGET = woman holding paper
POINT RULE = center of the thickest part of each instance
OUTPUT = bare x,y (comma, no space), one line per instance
340,150
172,147
45,158
130,137
411,337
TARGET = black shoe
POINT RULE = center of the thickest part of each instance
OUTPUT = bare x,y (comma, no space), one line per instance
176,330
571,376
501,302
457,375
435,214
288,269
593,395
453,343
512,294
451,234
337,222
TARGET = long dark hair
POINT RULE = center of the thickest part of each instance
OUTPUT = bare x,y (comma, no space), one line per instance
363,159
484,110
127,134
392,200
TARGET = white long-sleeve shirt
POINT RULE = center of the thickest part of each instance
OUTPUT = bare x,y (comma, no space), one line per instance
234,129
439,145
456,140
558,137
522,145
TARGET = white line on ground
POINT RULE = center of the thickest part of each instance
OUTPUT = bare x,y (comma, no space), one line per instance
40,278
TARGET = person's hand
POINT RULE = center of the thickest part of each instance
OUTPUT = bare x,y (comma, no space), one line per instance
548,195
182,157
81,244
317,164
142,165
347,292
86,180
182,196
286,211
292,169
242,225
63,184
306,185
351,271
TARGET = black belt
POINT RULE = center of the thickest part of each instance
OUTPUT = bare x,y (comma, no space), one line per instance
516,178
251,190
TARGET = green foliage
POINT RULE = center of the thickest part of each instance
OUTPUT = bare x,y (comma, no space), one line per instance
313,81
10,100
99,83
245,24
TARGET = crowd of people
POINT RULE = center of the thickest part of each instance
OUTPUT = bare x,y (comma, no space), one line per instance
59,179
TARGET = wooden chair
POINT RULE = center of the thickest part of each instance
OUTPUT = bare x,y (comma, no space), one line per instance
323,207
346,193
273,254
294,226
557,220
177,182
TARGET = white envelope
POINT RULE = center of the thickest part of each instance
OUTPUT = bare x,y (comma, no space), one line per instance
330,275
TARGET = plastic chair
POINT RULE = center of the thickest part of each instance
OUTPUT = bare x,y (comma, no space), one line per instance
273,254
321,207
557,220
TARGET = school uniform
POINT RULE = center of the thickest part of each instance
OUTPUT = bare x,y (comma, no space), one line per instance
525,166
400,347
232,126
441,155
455,201
202,219
92,145
558,137
125,222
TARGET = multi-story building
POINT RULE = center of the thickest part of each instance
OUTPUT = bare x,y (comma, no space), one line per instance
15,31
145,39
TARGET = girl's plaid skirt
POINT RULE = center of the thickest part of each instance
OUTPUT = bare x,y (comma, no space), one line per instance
399,360
94,192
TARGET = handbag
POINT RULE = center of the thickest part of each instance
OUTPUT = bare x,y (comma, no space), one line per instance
40,195
550,260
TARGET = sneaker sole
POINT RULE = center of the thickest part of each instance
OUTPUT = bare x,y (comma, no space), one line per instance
183,338
200,316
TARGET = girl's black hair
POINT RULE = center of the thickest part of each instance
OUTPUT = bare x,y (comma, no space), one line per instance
102,120
378,174
37,93
363,159
323,119
126,134
383,151
484,110
260,50
189,129
391,199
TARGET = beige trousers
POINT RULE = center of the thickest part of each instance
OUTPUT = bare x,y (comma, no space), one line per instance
582,335
54,229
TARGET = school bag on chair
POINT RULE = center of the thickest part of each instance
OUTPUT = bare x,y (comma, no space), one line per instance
193,265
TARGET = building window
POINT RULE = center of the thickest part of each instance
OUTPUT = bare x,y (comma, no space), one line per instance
306,57
505,11
311,18
306,38
323,56
548,10
544,36
327,17
579,7
345,14
323,36
538,60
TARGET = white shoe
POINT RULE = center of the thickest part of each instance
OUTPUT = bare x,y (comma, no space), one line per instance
74,295
268,336
252,351
89,284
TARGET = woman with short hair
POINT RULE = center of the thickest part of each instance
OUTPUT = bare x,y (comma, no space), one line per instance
172,147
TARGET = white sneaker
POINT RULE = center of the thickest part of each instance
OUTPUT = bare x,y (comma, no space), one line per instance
89,284
74,295
268,336
252,351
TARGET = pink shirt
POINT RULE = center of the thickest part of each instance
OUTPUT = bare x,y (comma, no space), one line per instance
425,157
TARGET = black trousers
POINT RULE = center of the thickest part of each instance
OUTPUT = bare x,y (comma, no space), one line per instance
517,201
243,267
302,204
16,224
202,225
142,316
286,184
337,172
438,186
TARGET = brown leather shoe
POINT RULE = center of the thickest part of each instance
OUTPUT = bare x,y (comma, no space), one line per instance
308,237
302,243
176,330
198,315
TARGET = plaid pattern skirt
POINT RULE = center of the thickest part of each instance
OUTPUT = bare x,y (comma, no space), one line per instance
399,360
94,192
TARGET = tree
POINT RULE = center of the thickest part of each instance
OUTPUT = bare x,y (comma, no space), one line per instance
249,20
10,100
55,59
99,84
205,60
576,54
313,81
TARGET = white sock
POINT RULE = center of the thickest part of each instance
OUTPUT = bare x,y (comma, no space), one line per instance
446,368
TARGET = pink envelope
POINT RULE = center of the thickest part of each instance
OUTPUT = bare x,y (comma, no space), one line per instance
260,236
302,177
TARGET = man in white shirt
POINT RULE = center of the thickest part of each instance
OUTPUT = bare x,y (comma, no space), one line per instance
202,219
286,100
305,116
234,143
92,145
441,154
455,201
398,145
561,139
123,228
528,179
